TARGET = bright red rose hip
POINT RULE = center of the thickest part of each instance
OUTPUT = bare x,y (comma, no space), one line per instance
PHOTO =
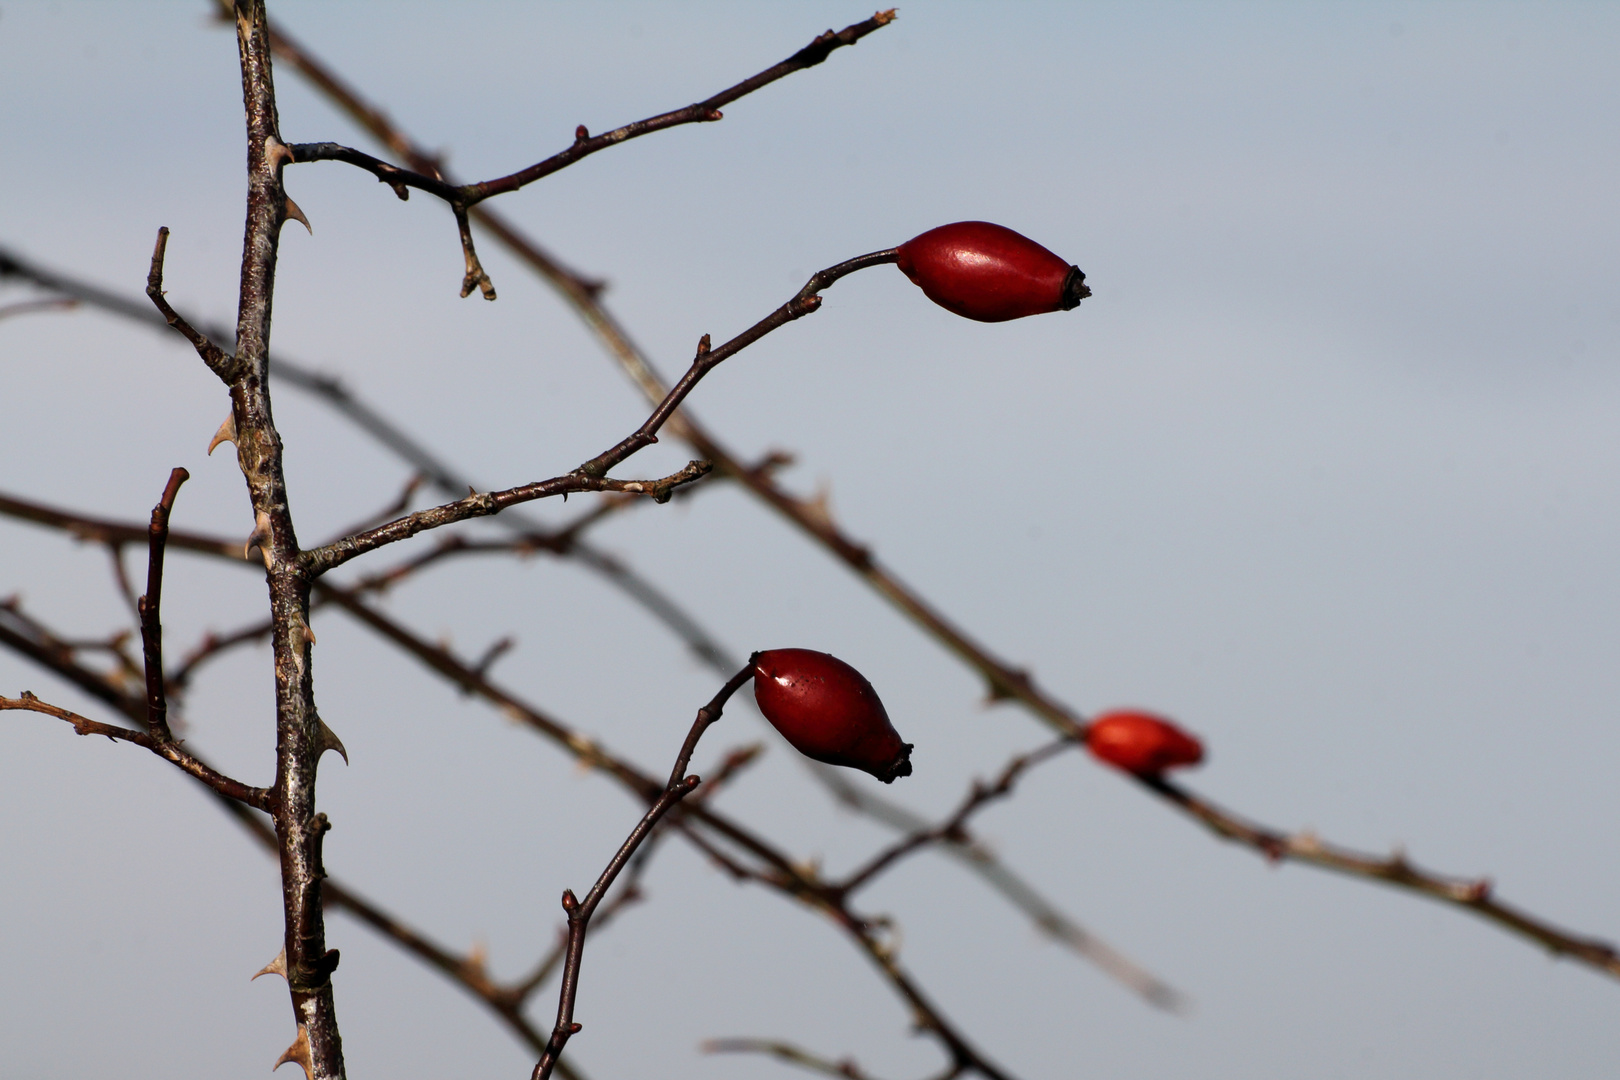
990,273
829,712
1141,743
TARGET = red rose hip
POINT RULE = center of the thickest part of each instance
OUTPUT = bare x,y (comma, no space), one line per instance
829,712
990,273
1141,743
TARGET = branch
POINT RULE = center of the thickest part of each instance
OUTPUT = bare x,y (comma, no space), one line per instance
679,786
463,198
592,475
258,798
227,367
460,970
335,394
149,608
319,560
1004,681
301,737
1471,894
954,828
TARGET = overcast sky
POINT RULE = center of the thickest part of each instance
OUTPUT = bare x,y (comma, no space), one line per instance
1327,469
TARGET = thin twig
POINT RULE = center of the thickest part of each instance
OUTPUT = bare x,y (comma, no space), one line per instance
258,798
149,606
462,198
579,911
954,827
227,367
319,560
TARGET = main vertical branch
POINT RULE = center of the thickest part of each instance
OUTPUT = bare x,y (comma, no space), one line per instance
299,742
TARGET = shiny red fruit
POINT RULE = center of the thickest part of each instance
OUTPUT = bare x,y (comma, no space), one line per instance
1141,743
829,712
990,273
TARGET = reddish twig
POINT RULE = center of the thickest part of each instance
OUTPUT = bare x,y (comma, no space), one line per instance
462,198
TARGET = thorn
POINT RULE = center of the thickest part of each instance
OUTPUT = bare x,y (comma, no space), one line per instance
278,152
226,433
330,741
303,628
298,1052
819,508
295,214
259,538
278,966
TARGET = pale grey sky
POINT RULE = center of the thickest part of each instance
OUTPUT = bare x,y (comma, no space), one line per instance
1327,470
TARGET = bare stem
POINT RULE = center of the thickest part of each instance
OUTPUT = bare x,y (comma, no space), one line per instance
580,911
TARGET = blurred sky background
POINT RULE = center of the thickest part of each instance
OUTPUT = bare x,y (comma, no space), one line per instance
1328,469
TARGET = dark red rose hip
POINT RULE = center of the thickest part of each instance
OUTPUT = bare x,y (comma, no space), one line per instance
829,712
1141,743
990,273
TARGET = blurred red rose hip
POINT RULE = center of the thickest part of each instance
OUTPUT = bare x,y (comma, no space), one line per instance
829,712
990,273
1141,743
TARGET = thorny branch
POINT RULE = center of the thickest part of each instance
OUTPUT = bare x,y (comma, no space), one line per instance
579,911
777,870
45,649
1594,954
566,543
462,198
1471,894
1002,680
